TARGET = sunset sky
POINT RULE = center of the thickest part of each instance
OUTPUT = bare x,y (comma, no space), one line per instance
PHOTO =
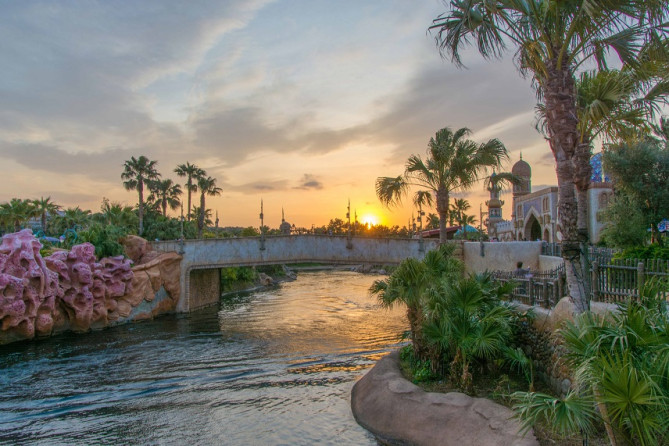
301,103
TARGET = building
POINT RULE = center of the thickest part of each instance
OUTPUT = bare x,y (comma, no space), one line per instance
534,214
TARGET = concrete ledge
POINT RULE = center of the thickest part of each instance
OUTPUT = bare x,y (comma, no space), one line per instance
400,413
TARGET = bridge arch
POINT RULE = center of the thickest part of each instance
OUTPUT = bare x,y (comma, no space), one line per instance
202,259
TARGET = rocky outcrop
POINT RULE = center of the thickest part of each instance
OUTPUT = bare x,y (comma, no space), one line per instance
399,412
70,290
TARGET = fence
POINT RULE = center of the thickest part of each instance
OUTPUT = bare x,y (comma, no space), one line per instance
542,288
620,280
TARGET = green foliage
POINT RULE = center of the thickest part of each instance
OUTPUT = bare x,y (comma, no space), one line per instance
272,270
623,366
249,232
105,238
565,416
158,227
640,172
653,251
626,225
237,276
467,323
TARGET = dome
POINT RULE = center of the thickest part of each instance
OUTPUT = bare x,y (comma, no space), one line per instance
285,227
522,169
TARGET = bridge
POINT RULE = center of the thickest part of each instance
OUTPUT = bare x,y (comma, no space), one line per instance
203,259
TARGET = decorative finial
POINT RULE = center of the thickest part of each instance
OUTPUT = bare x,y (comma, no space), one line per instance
521,155
283,219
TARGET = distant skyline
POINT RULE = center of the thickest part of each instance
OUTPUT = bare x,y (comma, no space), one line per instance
301,103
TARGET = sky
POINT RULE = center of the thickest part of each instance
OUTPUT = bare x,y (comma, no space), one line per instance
300,103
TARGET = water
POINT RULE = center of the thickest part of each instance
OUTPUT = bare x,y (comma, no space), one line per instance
268,368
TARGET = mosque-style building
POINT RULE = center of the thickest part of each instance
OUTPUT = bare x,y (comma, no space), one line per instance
534,215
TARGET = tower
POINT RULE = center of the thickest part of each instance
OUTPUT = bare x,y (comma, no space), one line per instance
494,207
524,172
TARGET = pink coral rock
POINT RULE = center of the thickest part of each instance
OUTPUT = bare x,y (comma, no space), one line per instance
27,288
70,290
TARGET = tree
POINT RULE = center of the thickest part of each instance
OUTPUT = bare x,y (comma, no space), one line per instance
453,163
73,218
432,221
553,39
44,207
422,198
191,172
137,172
117,214
165,193
207,186
459,206
640,174
17,211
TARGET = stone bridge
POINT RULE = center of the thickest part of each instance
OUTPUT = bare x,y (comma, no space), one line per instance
202,259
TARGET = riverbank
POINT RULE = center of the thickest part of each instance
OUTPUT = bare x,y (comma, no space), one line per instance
399,412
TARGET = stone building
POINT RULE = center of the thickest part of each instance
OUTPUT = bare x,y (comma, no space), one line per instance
534,214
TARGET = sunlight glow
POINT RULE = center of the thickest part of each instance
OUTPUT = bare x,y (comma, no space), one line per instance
369,219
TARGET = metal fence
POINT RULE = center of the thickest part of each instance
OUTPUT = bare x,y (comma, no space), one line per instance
542,288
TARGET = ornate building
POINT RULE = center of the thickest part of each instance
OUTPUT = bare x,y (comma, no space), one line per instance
534,214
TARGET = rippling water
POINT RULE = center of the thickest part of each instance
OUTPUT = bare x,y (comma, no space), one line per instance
271,367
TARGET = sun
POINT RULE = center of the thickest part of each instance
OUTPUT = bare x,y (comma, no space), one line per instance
369,219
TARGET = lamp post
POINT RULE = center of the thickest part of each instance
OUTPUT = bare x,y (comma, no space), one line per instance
349,245
181,239
262,227
481,214
216,223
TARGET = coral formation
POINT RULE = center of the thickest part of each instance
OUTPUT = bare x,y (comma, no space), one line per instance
70,290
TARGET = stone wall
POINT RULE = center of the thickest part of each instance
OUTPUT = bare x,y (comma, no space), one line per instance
500,256
205,288
72,291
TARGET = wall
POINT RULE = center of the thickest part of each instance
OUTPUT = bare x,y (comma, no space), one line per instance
547,263
205,288
501,256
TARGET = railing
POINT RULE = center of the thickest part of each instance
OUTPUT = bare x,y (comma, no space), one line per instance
542,288
620,280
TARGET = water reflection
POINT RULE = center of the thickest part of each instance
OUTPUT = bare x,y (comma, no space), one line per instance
273,367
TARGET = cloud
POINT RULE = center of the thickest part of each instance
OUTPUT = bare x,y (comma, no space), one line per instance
309,181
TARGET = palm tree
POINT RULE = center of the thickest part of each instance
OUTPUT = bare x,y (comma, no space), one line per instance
44,207
72,218
17,211
117,214
207,186
467,322
409,285
432,221
453,163
459,206
553,39
165,193
136,173
191,172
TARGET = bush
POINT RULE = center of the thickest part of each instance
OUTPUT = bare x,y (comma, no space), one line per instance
653,251
105,238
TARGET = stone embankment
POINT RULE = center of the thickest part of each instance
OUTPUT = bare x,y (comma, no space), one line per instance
400,413
71,291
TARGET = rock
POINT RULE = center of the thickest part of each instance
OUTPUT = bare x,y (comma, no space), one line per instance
28,289
398,412
565,386
265,280
70,290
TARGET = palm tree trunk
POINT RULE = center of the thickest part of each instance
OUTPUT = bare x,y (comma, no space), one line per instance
140,189
44,222
442,210
200,219
164,206
562,120
189,185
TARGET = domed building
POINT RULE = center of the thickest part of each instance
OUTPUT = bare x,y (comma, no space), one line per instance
534,214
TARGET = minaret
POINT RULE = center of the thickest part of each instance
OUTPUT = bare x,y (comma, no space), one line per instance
523,171
494,206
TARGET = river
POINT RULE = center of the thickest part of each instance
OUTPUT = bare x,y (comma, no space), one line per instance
273,367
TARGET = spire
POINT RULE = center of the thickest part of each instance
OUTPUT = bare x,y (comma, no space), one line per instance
282,216
521,155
